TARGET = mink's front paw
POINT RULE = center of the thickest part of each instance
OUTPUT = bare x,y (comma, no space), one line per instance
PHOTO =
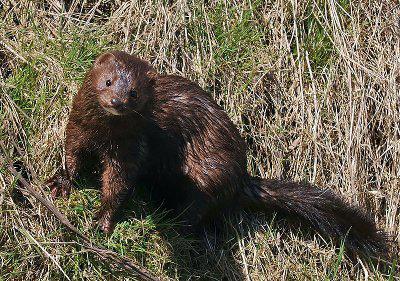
59,185
105,222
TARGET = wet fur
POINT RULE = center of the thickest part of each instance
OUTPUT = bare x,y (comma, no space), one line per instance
181,145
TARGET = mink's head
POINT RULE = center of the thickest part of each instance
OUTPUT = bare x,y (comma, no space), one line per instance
121,83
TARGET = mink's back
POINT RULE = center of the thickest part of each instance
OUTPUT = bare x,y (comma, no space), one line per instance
212,152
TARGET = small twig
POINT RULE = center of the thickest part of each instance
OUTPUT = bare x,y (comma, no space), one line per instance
103,253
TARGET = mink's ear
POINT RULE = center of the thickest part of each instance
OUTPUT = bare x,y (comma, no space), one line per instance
103,58
152,75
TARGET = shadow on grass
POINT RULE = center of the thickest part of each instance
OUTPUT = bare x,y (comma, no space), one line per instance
204,255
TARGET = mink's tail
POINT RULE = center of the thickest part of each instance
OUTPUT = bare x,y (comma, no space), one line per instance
321,208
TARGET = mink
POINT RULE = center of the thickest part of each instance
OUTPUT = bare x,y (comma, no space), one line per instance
167,134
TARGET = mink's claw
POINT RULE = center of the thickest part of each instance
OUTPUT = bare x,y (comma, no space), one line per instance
60,186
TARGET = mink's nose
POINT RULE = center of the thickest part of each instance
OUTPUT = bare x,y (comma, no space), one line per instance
116,102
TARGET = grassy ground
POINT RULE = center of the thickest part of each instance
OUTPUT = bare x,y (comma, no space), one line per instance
312,85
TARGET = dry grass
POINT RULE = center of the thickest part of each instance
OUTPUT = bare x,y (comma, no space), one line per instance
312,85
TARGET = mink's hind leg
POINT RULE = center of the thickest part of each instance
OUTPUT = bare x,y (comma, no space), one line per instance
117,183
178,196
195,212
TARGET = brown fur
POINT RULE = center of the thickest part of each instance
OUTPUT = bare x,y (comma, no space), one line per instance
174,139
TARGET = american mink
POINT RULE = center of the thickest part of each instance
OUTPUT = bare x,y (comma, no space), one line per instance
165,133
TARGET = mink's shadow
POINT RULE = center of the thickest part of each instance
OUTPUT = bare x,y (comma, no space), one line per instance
204,255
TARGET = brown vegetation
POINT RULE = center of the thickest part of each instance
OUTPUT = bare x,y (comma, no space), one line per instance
313,87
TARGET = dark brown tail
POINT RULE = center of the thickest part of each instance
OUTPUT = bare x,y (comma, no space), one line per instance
324,210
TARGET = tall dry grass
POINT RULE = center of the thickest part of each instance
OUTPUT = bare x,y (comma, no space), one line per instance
314,87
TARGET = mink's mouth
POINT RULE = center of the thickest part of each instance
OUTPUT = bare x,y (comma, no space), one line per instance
115,111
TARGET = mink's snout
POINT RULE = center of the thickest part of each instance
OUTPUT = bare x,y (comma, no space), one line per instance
115,105
116,102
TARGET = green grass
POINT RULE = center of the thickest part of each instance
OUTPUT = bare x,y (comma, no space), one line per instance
252,57
237,37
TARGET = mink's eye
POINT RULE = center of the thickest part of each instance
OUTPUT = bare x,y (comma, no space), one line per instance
133,94
108,83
